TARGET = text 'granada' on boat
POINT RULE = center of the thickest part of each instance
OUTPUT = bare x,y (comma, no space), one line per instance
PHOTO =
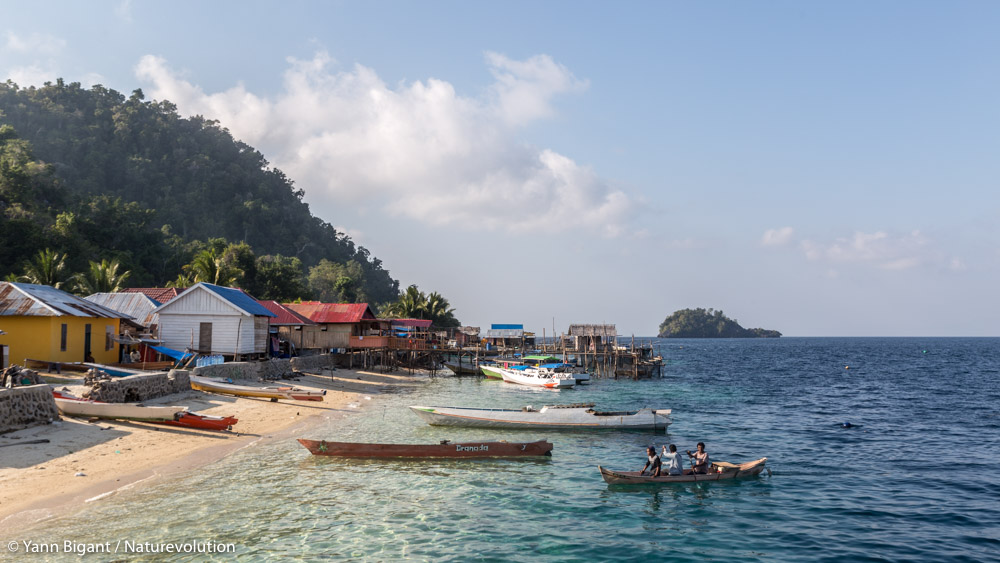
718,471
444,449
576,416
274,393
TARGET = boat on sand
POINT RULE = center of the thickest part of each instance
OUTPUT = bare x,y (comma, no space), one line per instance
444,449
273,393
71,405
718,471
580,416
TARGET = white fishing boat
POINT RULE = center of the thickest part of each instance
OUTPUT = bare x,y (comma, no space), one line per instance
562,370
273,393
555,365
84,408
527,375
574,417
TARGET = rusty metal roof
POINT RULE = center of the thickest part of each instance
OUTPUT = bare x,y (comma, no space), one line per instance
159,294
138,306
284,315
593,330
31,300
333,313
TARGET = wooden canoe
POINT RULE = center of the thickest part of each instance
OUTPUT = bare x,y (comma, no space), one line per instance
445,449
564,417
200,421
75,406
215,386
719,471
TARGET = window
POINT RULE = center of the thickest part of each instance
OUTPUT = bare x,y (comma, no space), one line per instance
109,338
62,339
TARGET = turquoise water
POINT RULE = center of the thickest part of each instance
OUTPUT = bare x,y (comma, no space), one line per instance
915,479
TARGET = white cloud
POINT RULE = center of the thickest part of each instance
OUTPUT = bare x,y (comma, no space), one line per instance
32,75
418,150
34,43
881,249
777,237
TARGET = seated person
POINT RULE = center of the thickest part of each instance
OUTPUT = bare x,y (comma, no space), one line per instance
675,464
700,462
652,462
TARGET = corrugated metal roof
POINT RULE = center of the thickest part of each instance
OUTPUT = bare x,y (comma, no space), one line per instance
504,333
138,306
158,294
31,300
593,330
234,296
333,313
417,323
284,315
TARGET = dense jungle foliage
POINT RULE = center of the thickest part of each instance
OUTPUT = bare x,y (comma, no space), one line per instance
708,323
91,176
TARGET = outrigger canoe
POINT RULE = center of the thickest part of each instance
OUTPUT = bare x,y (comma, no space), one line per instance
444,449
718,471
172,416
581,416
216,386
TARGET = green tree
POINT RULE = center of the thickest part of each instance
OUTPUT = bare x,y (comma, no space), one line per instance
338,283
279,278
48,268
102,277
210,266
414,304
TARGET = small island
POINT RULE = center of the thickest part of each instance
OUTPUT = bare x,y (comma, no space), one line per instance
708,323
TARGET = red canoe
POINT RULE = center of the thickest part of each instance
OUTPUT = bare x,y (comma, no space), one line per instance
201,421
444,449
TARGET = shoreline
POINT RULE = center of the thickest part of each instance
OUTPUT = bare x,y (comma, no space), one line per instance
39,482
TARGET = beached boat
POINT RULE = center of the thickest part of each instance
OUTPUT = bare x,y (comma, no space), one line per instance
444,449
216,386
718,471
527,375
85,408
200,421
573,417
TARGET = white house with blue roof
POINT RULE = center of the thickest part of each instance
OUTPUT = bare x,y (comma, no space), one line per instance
212,319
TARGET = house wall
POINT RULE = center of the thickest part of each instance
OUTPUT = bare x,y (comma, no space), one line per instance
313,337
39,338
182,332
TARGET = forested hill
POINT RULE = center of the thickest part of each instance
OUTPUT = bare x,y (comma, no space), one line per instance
106,173
702,323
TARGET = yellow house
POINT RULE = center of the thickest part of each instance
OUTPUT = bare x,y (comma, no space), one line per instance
39,322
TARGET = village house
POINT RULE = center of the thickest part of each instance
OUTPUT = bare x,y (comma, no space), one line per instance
215,320
590,337
42,323
509,336
339,325
138,331
287,329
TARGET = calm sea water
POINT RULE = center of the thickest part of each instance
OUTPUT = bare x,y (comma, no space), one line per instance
916,479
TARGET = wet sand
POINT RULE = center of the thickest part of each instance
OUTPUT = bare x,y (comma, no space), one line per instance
38,481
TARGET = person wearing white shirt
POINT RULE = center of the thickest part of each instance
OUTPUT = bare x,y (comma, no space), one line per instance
672,461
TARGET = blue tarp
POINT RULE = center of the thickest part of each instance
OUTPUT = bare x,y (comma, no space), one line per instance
554,366
169,352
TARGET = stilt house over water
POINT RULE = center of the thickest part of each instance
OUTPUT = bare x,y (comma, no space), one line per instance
211,319
591,338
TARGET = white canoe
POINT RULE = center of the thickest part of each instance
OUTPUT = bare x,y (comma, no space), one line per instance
536,378
75,406
216,386
580,416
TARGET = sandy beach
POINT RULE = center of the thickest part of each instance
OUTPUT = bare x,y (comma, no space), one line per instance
89,461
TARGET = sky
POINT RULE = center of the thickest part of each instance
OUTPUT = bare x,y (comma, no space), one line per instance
820,169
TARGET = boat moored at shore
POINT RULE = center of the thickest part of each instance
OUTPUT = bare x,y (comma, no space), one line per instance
445,449
274,393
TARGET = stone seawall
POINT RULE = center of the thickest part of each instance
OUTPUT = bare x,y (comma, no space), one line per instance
269,370
138,388
22,407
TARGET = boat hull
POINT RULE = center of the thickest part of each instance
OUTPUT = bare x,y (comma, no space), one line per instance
201,421
514,376
75,406
468,450
546,418
492,372
211,386
720,472
462,369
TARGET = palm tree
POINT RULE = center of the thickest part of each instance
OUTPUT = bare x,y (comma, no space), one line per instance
48,268
208,266
183,281
102,277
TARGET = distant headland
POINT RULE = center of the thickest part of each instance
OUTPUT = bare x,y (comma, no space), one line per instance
708,323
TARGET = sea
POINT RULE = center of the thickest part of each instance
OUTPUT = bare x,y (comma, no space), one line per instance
915,477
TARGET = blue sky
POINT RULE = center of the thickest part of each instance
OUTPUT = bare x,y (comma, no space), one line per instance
821,170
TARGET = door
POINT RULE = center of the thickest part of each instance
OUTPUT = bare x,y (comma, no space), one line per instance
205,338
87,357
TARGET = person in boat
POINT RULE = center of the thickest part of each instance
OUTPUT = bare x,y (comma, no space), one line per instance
699,459
673,460
653,462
